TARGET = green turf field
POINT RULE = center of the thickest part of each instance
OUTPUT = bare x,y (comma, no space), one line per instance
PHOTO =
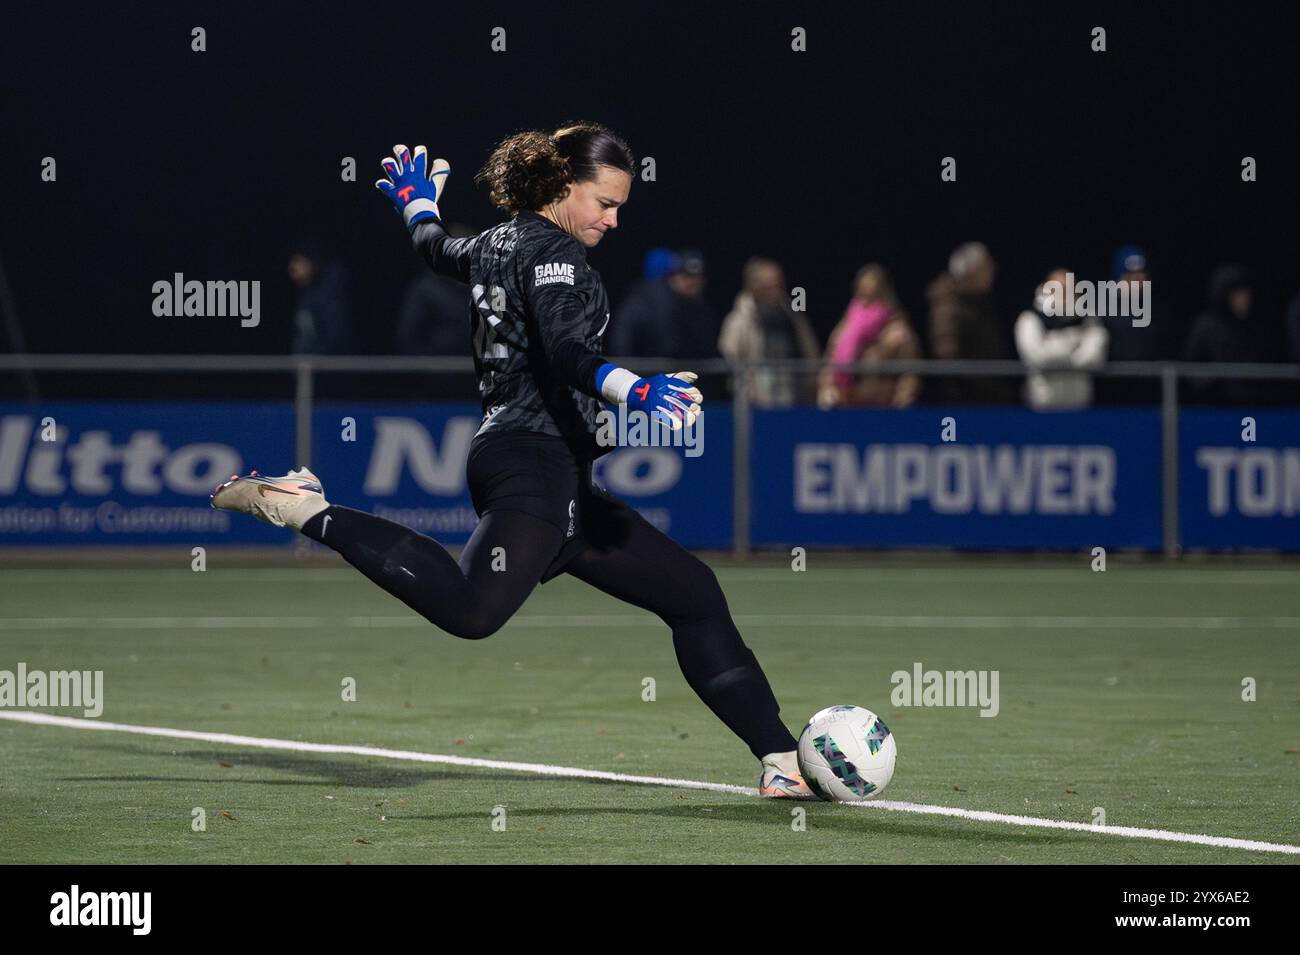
1119,690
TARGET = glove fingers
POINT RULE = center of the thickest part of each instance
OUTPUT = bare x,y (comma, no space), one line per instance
438,173
420,161
673,422
403,157
681,415
385,186
682,381
674,402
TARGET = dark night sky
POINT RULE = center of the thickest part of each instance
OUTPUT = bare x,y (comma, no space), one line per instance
211,164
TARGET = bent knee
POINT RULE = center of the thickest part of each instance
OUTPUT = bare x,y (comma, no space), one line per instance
695,595
473,626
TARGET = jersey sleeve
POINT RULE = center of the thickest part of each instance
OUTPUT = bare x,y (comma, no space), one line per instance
558,287
445,255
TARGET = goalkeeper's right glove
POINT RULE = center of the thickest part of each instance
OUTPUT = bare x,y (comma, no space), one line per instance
673,399
414,187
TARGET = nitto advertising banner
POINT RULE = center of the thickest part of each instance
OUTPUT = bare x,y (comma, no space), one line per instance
141,472
134,472
407,463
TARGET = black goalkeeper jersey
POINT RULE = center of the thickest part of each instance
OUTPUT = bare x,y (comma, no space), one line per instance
538,314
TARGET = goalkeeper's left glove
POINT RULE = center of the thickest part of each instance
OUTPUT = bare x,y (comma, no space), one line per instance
673,399
412,184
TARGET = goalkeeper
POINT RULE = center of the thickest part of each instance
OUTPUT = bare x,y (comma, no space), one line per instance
539,313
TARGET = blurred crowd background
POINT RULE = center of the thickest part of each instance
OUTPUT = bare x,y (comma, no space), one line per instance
771,169
962,313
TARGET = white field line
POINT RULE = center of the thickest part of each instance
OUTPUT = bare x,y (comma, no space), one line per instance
1131,832
784,621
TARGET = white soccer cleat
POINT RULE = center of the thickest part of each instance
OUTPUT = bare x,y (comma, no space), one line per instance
782,779
289,501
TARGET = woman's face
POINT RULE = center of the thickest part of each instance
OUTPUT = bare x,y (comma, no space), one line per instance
767,285
591,208
869,287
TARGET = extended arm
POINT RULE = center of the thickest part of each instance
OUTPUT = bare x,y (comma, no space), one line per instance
557,287
414,186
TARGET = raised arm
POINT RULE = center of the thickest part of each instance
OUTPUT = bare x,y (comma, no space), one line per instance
445,255
414,185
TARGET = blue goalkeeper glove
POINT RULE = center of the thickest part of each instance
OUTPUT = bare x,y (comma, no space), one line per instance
673,399
412,184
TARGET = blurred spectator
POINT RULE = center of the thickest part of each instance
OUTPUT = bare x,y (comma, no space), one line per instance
873,328
1059,347
1129,343
964,324
658,263
322,322
628,335
434,318
666,314
1228,331
762,326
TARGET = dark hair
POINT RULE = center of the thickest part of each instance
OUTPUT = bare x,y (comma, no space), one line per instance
532,168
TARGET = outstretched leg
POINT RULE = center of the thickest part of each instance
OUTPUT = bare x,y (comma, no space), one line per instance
499,567
632,560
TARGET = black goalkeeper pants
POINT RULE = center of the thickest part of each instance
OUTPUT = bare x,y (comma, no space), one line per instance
619,552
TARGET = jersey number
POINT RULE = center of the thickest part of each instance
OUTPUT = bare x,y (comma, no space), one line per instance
485,327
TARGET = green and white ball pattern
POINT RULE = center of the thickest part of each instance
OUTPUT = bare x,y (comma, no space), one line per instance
846,754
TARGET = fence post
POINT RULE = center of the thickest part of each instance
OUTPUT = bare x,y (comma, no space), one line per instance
1169,458
302,412
740,437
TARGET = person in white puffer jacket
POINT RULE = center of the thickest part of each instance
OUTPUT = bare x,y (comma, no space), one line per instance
1059,349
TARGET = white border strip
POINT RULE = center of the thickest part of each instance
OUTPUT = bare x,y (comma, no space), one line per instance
1131,832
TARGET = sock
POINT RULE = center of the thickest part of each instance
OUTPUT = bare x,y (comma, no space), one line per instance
740,695
787,764
308,510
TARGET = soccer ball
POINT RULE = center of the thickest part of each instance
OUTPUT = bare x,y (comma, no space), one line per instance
846,754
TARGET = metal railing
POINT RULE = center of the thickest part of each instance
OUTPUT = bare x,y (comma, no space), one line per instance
305,368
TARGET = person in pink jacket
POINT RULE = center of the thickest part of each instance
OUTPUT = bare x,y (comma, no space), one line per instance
873,328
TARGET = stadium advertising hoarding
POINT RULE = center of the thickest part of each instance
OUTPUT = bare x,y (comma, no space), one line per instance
957,477
1239,479
133,472
410,467
140,473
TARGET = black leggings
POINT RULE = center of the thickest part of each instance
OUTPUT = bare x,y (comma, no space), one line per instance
506,557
